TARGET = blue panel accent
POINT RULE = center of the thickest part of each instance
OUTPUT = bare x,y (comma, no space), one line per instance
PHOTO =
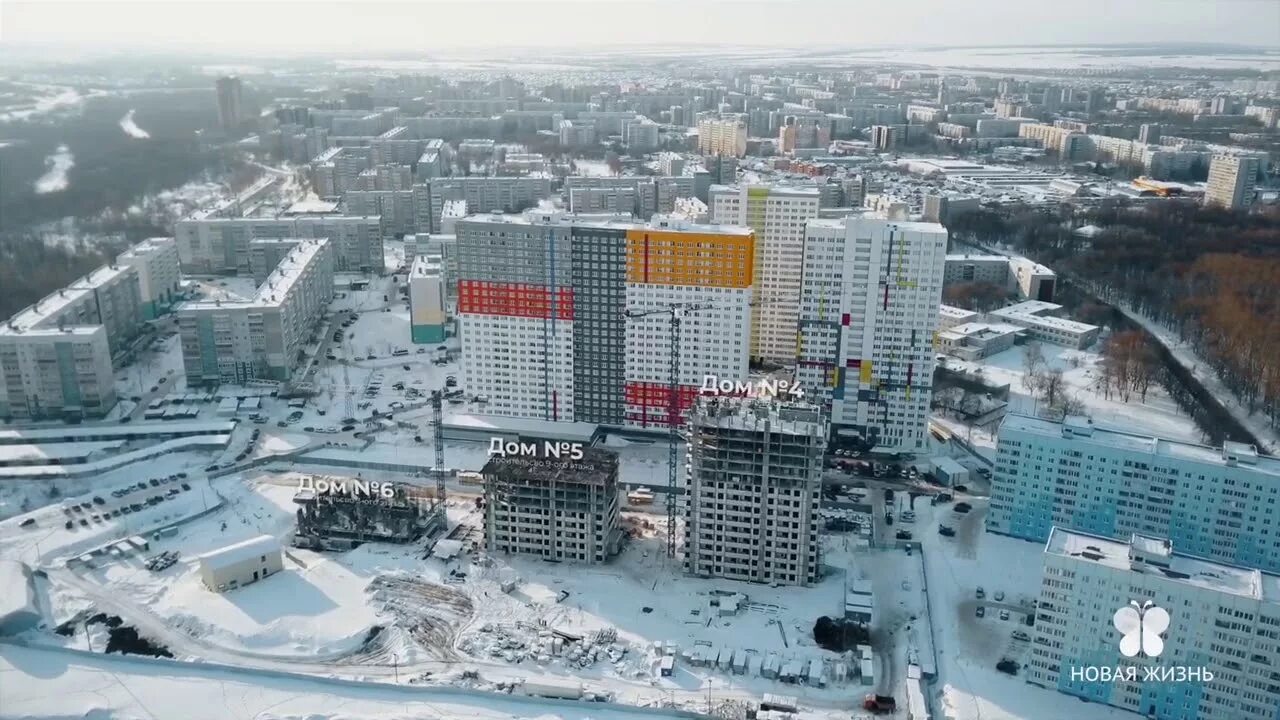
1031,516
1096,518
1098,691
67,375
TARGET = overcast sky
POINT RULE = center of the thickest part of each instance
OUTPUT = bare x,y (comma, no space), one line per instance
272,26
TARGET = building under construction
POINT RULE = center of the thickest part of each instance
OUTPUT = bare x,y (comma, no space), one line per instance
754,485
554,508
343,513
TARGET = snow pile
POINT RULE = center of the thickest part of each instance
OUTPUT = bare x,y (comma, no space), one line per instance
57,166
18,609
131,128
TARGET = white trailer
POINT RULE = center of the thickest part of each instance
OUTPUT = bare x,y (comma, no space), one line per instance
553,688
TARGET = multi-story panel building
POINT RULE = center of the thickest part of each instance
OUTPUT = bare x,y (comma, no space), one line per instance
208,246
156,263
56,374
541,303
753,488
556,508
722,136
652,195
870,290
265,255
1232,181
1221,503
778,216
1224,622
427,303
234,341
230,102
482,195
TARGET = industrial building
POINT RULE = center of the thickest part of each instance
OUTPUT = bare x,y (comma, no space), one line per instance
1223,620
220,246
241,563
541,303
778,216
555,508
1218,503
343,513
234,341
753,488
871,285
427,305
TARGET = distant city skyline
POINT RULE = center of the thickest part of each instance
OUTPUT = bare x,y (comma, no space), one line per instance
290,27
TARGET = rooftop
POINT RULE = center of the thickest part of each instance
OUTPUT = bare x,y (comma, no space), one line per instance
43,314
1186,570
276,287
1087,431
742,413
954,312
621,221
427,266
597,465
241,551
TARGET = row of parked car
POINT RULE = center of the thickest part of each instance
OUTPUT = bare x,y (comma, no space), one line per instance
83,513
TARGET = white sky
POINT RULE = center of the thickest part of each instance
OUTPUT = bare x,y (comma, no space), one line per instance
352,26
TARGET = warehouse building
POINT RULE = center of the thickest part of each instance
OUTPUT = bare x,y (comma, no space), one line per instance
555,508
241,564
754,482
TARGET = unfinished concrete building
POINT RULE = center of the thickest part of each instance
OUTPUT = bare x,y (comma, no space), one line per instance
554,508
754,483
343,513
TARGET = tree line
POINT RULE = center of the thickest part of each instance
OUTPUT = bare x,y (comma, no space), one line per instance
1210,276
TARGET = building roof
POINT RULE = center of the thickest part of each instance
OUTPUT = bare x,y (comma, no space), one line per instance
1187,570
621,221
954,312
744,413
597,465
45,312
241,551
1087,431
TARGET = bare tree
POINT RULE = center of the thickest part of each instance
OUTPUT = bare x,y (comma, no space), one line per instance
1051,386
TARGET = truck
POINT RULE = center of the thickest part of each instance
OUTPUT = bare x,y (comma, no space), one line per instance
879,704
553,688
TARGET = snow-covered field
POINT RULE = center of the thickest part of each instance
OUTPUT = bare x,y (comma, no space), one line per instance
131,128
42,683
57,166
1157,415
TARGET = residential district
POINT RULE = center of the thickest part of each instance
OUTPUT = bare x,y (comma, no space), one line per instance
667,392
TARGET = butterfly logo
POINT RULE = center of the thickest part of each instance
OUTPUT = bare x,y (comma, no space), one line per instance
1140,627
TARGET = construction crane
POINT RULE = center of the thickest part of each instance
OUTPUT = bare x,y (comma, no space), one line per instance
437,439
677,311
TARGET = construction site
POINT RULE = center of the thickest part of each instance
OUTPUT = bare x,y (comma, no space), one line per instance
755,478
555,508
341,514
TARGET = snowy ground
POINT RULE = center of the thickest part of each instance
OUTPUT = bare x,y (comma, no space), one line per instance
1158,415
42,683
968,647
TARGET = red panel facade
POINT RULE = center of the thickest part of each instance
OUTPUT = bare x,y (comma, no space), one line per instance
654,400
514,300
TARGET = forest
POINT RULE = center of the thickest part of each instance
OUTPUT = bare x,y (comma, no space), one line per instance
1209,275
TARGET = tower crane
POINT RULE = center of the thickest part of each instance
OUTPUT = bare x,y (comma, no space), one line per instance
677,312
437,440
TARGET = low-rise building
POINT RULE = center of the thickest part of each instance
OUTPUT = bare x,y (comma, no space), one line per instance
241,563
557,508
427,304
949,317
974,341
1042,321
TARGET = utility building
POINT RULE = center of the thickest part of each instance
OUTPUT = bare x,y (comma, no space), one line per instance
554,508
241,564
755,476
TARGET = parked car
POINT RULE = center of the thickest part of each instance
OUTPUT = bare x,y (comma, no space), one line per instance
999,595
980,593
945,531
97,500
1020,635
27,523
903,535
1004,614
963,507
981,611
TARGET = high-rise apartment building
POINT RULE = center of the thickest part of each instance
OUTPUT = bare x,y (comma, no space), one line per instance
778,216
1232,181
753,489
1224,622
561,508
234,341
1220,503
870,290
230,102
541,303
722,136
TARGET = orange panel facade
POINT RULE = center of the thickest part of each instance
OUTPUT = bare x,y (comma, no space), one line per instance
662,257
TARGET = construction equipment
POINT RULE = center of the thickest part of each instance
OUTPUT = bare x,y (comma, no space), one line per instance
677,311
437,439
